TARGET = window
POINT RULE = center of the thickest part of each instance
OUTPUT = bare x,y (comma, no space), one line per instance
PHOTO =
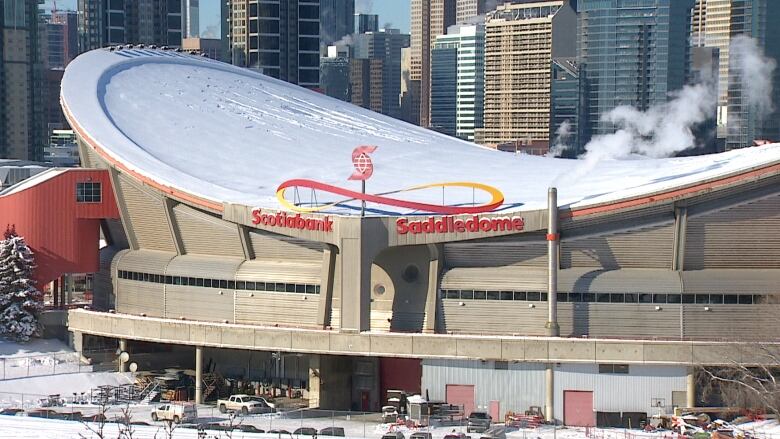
621,369
88,192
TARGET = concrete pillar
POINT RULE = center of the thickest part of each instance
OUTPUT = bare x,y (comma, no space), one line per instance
55,292
432,297
549,391
122,348
76,341
328,272
691,388
315,381
360,241
553,241
71,289
198,375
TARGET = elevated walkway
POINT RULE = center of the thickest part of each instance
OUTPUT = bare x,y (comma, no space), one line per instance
377,344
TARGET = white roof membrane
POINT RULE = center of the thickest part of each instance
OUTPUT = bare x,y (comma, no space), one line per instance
225,133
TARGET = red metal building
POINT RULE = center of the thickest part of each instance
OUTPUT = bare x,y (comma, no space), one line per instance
58,212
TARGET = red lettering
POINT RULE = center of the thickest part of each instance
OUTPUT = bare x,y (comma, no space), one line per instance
427,226
400,226
449,224
282,219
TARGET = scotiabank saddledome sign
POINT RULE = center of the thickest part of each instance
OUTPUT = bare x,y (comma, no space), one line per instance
450,224
363,170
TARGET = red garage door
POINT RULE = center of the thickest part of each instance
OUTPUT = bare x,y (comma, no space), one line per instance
578,408
463,395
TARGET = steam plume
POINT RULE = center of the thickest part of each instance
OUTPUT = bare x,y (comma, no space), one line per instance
754,71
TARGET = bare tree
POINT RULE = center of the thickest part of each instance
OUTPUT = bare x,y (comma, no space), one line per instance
97,424
748,379
167,430
126,428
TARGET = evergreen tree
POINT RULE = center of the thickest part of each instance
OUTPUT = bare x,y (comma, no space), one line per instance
20,302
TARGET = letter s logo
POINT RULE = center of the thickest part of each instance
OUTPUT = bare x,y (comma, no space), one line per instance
256,216
400,226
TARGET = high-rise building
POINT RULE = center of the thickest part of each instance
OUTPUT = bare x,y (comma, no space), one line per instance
444,85
458,81
711,27
429,19
631,53
62,39
410,90
364,23
565,106
334,74
21,81
51,110
337,20
211,47
112,22
521,41
385,45
468,9
365,78
191,19
747,120
280,38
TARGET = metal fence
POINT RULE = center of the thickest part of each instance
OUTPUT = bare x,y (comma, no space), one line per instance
55,363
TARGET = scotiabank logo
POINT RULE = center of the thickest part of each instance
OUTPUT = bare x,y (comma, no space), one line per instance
281,219
450,224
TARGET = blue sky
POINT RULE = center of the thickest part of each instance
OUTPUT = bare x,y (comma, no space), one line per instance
393,12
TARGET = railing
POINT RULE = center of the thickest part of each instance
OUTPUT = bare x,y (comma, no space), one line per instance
56,363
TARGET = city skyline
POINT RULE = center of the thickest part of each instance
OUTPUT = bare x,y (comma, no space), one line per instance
392,13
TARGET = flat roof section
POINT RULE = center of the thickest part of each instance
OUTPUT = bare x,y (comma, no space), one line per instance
215,133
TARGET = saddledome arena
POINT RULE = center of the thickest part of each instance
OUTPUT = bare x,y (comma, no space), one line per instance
464,278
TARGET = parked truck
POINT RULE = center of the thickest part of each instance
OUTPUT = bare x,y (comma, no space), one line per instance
246,404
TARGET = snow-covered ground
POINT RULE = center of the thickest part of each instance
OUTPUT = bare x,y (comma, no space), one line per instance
36,428
39,357
31,371
229,134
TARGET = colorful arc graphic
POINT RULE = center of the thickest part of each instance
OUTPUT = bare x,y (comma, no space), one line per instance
497,198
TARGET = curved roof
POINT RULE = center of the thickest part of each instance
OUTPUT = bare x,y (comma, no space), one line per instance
214,133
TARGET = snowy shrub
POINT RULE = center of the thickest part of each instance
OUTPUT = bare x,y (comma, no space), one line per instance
20,302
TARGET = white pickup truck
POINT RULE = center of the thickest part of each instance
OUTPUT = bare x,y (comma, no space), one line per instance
245,404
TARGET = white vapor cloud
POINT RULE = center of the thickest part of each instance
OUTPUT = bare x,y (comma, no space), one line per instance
667,129
754,71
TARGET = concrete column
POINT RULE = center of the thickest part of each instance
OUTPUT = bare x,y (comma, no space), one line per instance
549,390
361,240
315,381
553,241
431,300
198,375
691,388
328,273
71,289
122,348
55,292
76,341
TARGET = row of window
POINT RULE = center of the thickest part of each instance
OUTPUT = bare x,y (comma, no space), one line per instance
538,296
277,287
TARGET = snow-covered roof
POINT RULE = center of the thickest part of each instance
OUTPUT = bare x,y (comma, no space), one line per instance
228,134
40,177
